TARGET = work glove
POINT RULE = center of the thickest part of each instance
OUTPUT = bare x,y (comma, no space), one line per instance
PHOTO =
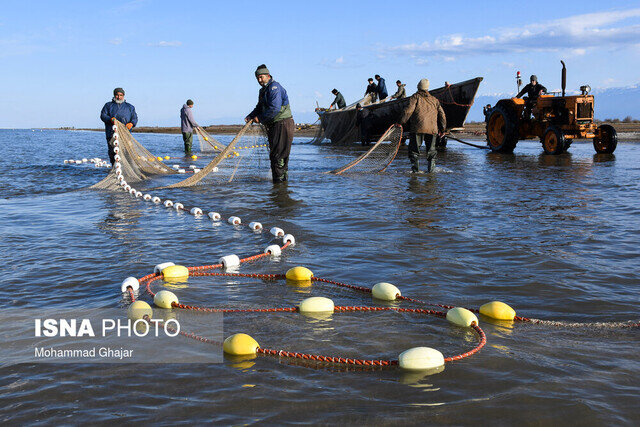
129,125
113,119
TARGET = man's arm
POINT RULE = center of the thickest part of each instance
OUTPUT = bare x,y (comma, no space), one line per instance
192,122
442,119
273,105
409,110
523,91
104,114
134,116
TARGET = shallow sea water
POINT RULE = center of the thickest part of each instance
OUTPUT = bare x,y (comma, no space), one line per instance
556,237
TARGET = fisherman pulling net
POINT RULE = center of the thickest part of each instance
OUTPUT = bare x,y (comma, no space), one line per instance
246,156
208,144
136,162
378,157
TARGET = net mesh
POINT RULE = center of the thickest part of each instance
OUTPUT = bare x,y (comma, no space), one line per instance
378,157
208,144
343,130
246,157
137,163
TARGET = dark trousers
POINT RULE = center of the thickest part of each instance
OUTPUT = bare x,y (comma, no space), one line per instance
280,135
415,141
187,137
111,153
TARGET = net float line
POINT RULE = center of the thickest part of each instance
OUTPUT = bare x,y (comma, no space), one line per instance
522,319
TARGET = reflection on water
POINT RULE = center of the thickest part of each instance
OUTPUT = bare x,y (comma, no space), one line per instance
555,237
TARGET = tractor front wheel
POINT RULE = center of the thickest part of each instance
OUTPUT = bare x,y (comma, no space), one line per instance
606,139
502,129
553,140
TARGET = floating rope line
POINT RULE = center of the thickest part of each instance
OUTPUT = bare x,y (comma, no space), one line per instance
147,280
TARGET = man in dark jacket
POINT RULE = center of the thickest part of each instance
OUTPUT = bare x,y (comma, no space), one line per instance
339,101
119,109
274,112
382,88
533,91
372,89
187,123
427,121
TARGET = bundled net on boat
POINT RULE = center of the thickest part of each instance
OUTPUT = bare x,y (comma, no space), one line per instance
342,130
137,163
208,144
378,157
246,157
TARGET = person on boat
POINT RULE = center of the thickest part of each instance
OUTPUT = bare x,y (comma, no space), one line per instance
187,123
426,121
274,112
382,88
533,91
401,92
118,109
339,101
372,89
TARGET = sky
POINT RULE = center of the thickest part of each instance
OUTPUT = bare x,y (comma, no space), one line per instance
61,60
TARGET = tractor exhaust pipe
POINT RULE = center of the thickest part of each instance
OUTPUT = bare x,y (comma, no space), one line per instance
564,77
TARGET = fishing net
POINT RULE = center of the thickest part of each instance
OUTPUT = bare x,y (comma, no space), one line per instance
208,144
378,157
246,157
137,163
340,131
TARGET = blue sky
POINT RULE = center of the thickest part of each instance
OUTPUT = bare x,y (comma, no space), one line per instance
61,60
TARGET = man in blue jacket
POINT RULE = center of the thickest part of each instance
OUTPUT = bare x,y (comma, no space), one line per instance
119,109
382,88
274,112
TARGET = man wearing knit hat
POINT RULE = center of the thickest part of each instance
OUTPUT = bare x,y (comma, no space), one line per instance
339,101
118,109
187,123
427,120
274,112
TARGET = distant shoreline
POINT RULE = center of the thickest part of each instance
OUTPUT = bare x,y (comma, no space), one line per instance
473,130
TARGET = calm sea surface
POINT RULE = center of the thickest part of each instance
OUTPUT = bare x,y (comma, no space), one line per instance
556,237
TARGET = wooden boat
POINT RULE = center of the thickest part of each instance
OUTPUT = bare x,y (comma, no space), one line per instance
339,126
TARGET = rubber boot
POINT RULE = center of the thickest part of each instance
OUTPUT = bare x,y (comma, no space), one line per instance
415,165
431,165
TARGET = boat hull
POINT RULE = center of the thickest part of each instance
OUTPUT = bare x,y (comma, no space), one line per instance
340,128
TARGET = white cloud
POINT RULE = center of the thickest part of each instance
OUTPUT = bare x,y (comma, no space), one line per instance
116,41
318,94
339,62
166,44
576,33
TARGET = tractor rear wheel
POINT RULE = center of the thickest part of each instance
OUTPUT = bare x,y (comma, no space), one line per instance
553,140
606,140
502,129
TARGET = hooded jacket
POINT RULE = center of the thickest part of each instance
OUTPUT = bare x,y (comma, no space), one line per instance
273,104
187,123
124,112
400,93
426,114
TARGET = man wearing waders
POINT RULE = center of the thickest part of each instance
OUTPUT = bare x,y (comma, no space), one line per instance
426,121
274,112
187,123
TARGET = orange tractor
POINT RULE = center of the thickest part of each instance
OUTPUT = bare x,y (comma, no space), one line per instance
557,121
